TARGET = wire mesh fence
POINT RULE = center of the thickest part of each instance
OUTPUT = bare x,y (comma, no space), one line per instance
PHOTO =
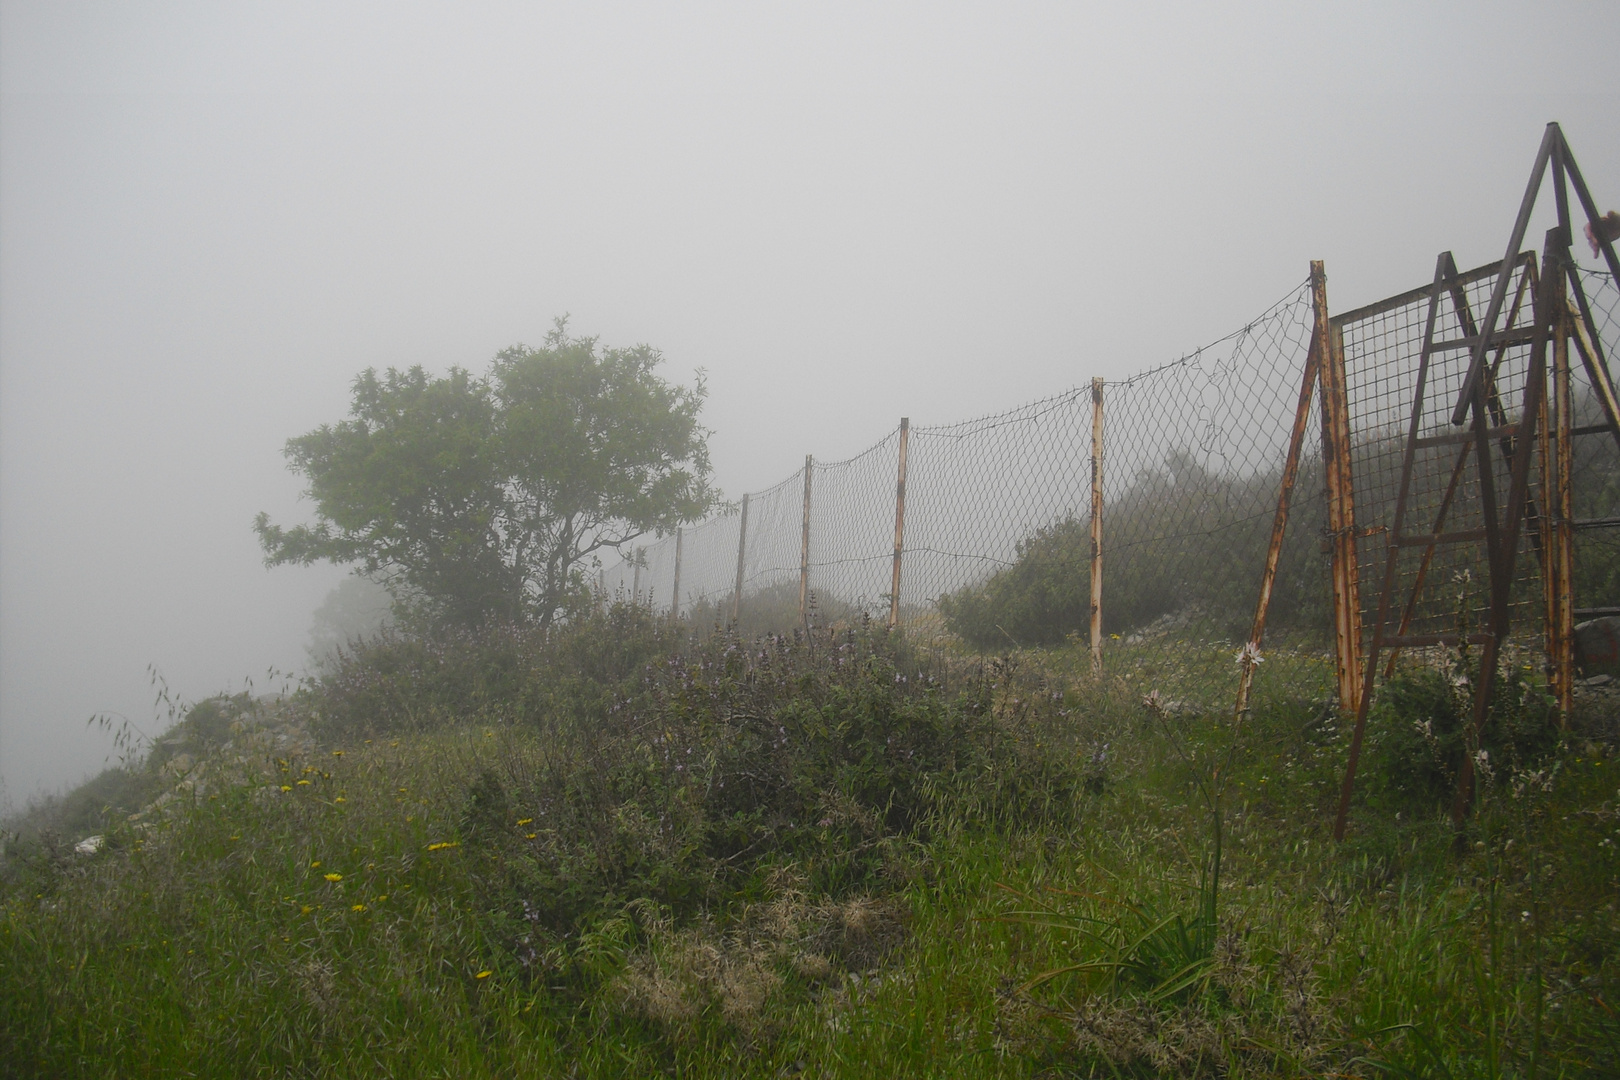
995,544
1595,471
1437,588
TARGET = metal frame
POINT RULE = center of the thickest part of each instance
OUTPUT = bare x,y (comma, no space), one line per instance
1543,430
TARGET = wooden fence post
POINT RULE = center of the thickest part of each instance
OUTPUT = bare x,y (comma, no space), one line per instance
804,548
1279,526
635,580
1329,347
1096,523
742,550
675,600
899,524
1561,552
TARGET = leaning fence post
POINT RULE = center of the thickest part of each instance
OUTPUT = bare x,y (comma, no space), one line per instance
675,599
1562,549
899,524
1279,526
1329,348
804,549
742,550
1096,523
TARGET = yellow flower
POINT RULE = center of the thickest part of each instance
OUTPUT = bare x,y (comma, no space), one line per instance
525,820
337,753
442,844
382,899
286,787
530,836
314,864
334,877
305,910
340,799
303,783
358,907
486,973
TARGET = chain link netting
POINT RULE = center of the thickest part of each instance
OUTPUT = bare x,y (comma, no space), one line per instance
1438,588
997,517
996,538
1595,470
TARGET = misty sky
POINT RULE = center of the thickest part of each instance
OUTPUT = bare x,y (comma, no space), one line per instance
212,216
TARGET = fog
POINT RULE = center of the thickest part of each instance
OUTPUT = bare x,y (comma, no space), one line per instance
212,216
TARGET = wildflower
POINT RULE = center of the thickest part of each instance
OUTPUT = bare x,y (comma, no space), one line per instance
303,783
286,787
1249,654
315,864
486,973
525,821
358,907
334,877
383,898
305,910
530,836
340,799
442,844
337,753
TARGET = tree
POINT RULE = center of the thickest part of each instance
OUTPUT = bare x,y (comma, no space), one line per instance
484,497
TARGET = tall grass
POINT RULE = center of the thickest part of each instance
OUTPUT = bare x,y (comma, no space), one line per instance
500,859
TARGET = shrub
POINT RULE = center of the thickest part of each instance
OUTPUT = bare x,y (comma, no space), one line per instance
1179,537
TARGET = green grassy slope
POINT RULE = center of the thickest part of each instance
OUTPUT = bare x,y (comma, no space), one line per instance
627,853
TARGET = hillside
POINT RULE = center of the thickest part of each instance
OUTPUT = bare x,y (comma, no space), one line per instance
625,850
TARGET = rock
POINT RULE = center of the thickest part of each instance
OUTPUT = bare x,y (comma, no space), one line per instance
89,845
1597,646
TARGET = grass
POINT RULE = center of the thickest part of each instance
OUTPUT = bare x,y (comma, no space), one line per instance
949,867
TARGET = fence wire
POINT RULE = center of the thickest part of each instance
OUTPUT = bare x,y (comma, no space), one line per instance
1439,589
1595,470
997,519
996,541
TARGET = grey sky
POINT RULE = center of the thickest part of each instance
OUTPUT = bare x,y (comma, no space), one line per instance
213,215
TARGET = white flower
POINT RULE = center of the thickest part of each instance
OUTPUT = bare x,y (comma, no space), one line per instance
1249,654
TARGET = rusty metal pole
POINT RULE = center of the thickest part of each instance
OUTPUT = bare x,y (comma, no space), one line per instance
1279,526
742,551
1505,542
1547,528
675,598
1561,643
804,548
1096,524
899,524
1329,348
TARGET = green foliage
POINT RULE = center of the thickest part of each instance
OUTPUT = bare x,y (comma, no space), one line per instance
480,498
1179,538
506,883
1420,727
355,610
